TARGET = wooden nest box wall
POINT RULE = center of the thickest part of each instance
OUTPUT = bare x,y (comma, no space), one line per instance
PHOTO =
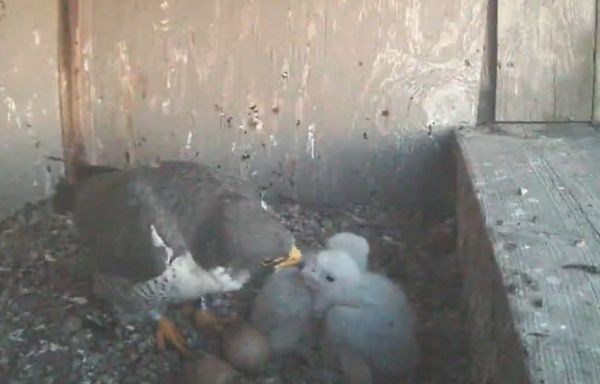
329,101
324,102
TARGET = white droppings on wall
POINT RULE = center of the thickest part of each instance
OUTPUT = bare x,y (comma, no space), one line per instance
36,37
263,203
166,106
256,122
29,112
163,25
272,140
11,108
188,143
311,141
87,55
383,70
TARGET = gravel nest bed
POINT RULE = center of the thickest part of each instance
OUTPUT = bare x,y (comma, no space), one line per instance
53,330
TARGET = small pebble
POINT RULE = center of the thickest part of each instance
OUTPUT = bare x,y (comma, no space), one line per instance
78,300
327,224
538,302
72,324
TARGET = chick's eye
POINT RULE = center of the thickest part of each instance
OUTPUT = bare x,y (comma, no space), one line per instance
330,278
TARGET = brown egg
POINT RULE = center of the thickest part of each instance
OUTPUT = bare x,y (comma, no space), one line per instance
187,310
246,348
209,369
206,321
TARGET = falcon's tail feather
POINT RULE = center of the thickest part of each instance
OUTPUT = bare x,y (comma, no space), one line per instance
65,191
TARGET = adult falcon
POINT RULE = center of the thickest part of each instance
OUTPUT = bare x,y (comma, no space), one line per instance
171,233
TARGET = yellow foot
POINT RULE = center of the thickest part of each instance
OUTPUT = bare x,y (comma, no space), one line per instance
168,332
207,320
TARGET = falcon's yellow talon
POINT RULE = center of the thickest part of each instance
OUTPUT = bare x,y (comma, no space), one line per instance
168,332
294,258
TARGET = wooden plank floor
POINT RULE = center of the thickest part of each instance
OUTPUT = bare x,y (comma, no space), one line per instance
538,191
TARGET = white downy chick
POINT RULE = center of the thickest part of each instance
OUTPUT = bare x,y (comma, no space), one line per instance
283,307
366,315
282,310
355,245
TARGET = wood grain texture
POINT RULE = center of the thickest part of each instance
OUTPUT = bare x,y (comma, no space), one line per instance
486,112
74,49
320,91
29,112
596,101
535,237
495,350
545,60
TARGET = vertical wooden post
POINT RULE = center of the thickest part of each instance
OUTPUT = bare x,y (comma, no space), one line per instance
486,112
596,93
74,54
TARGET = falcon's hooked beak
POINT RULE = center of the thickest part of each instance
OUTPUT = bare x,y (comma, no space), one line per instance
294,258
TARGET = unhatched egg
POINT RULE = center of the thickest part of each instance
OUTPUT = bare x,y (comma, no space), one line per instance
209,369
246,348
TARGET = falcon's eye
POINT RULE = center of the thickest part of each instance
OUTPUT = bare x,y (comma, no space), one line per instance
330,278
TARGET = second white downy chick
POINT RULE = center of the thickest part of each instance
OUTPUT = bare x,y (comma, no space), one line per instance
354,245
282,310
366,315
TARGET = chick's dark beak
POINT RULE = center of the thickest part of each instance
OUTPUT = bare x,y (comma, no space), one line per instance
301,264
